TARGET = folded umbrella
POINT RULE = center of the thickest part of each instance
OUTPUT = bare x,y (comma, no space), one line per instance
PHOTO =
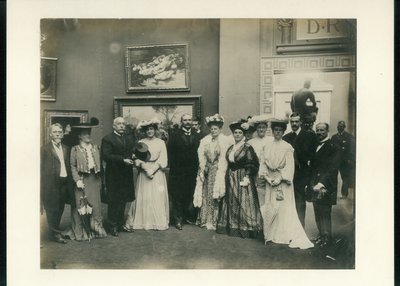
85,213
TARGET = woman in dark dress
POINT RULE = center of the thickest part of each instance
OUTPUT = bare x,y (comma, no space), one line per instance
240,211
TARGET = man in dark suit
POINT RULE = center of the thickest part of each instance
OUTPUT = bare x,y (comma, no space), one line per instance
295,125
116,151
196,126
55,181
304,146
183,159
346,143
322,187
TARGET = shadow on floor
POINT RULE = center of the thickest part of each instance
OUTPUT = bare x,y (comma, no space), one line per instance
196,248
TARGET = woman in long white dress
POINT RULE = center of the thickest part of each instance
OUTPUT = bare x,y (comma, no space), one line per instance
281,223
151,207
210,181
259,140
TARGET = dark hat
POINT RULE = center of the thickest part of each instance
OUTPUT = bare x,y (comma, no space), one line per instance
252,128
278,123
141,151
241,125
94,122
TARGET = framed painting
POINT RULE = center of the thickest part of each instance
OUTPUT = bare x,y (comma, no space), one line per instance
66,118
48,76
168,109
157,68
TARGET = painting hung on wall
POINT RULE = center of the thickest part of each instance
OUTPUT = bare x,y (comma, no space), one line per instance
66,118
157,68
168,109
48,73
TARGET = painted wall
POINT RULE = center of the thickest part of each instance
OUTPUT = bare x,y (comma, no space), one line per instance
91,57
239,69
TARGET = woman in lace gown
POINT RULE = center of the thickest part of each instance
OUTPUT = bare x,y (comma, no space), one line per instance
151,208
281,223
240,211
86,172
210,181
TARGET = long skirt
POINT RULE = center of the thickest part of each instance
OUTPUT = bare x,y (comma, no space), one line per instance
208,214
89,225
240,211
281,223
151,207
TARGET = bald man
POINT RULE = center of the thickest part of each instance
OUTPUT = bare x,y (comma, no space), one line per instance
322,187
116,151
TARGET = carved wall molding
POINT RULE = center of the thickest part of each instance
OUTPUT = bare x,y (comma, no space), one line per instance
285,64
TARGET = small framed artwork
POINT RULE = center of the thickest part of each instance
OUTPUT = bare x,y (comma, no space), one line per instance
66,118
168,109
48,76
157,68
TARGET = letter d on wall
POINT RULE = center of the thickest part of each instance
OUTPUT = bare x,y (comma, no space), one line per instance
310,26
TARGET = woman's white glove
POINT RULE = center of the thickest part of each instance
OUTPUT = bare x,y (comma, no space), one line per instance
245,182
80,184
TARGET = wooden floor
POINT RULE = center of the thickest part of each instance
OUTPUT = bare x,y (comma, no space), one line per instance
196,248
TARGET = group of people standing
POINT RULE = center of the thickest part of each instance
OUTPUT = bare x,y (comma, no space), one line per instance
250,184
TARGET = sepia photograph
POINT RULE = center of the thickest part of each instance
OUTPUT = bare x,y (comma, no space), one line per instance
262,168
204,143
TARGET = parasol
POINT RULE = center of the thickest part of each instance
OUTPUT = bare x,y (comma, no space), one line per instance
85,213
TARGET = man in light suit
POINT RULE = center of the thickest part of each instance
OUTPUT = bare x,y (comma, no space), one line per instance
55,181
322,188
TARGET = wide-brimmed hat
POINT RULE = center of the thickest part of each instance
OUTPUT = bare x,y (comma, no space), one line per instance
155,122
241,124
141,151
252,128
258,119
216,119
279,122
93,122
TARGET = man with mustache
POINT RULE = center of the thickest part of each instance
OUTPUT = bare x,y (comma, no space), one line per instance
116,151
184,163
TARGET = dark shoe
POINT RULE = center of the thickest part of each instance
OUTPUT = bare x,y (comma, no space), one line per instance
178,226
318,240
190,222
114,232
58,238
125,229
325,242
343,197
